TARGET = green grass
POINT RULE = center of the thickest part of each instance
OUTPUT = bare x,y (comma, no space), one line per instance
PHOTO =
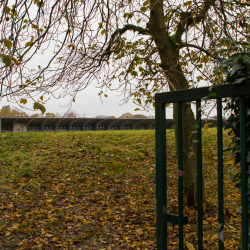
96,190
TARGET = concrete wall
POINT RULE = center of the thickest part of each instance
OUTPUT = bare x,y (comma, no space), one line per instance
20,127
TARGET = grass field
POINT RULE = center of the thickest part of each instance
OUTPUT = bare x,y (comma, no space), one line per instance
96,190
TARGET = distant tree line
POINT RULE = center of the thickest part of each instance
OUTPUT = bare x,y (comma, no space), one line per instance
129,115
13,111
8,111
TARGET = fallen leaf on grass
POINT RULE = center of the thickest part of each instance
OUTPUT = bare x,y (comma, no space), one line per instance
139,231
49,235
190,246
215,237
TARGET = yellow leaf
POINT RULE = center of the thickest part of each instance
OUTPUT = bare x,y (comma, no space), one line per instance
139,231
49,235
135,244
7,43
189,3
55,239
215,237
190,246
50,200
206,126
231,227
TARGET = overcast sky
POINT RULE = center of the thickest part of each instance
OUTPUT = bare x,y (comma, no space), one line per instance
88,102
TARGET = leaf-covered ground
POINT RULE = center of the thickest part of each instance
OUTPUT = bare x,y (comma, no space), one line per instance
96,190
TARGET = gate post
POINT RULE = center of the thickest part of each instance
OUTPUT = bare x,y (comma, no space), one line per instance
161,184
244,173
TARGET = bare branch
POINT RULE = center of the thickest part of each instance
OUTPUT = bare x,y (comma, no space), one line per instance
183,45
120,32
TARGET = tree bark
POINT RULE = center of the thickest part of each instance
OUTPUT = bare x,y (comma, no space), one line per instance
189,154
169,54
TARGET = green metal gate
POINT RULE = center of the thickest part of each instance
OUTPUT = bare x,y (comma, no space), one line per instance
198,94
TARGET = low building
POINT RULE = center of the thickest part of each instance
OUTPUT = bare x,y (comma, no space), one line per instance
27,124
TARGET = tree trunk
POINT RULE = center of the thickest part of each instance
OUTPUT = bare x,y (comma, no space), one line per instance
169,55
189,154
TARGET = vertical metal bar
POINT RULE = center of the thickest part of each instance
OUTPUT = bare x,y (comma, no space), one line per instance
244,176
199,175
180,176
220,173
161,183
